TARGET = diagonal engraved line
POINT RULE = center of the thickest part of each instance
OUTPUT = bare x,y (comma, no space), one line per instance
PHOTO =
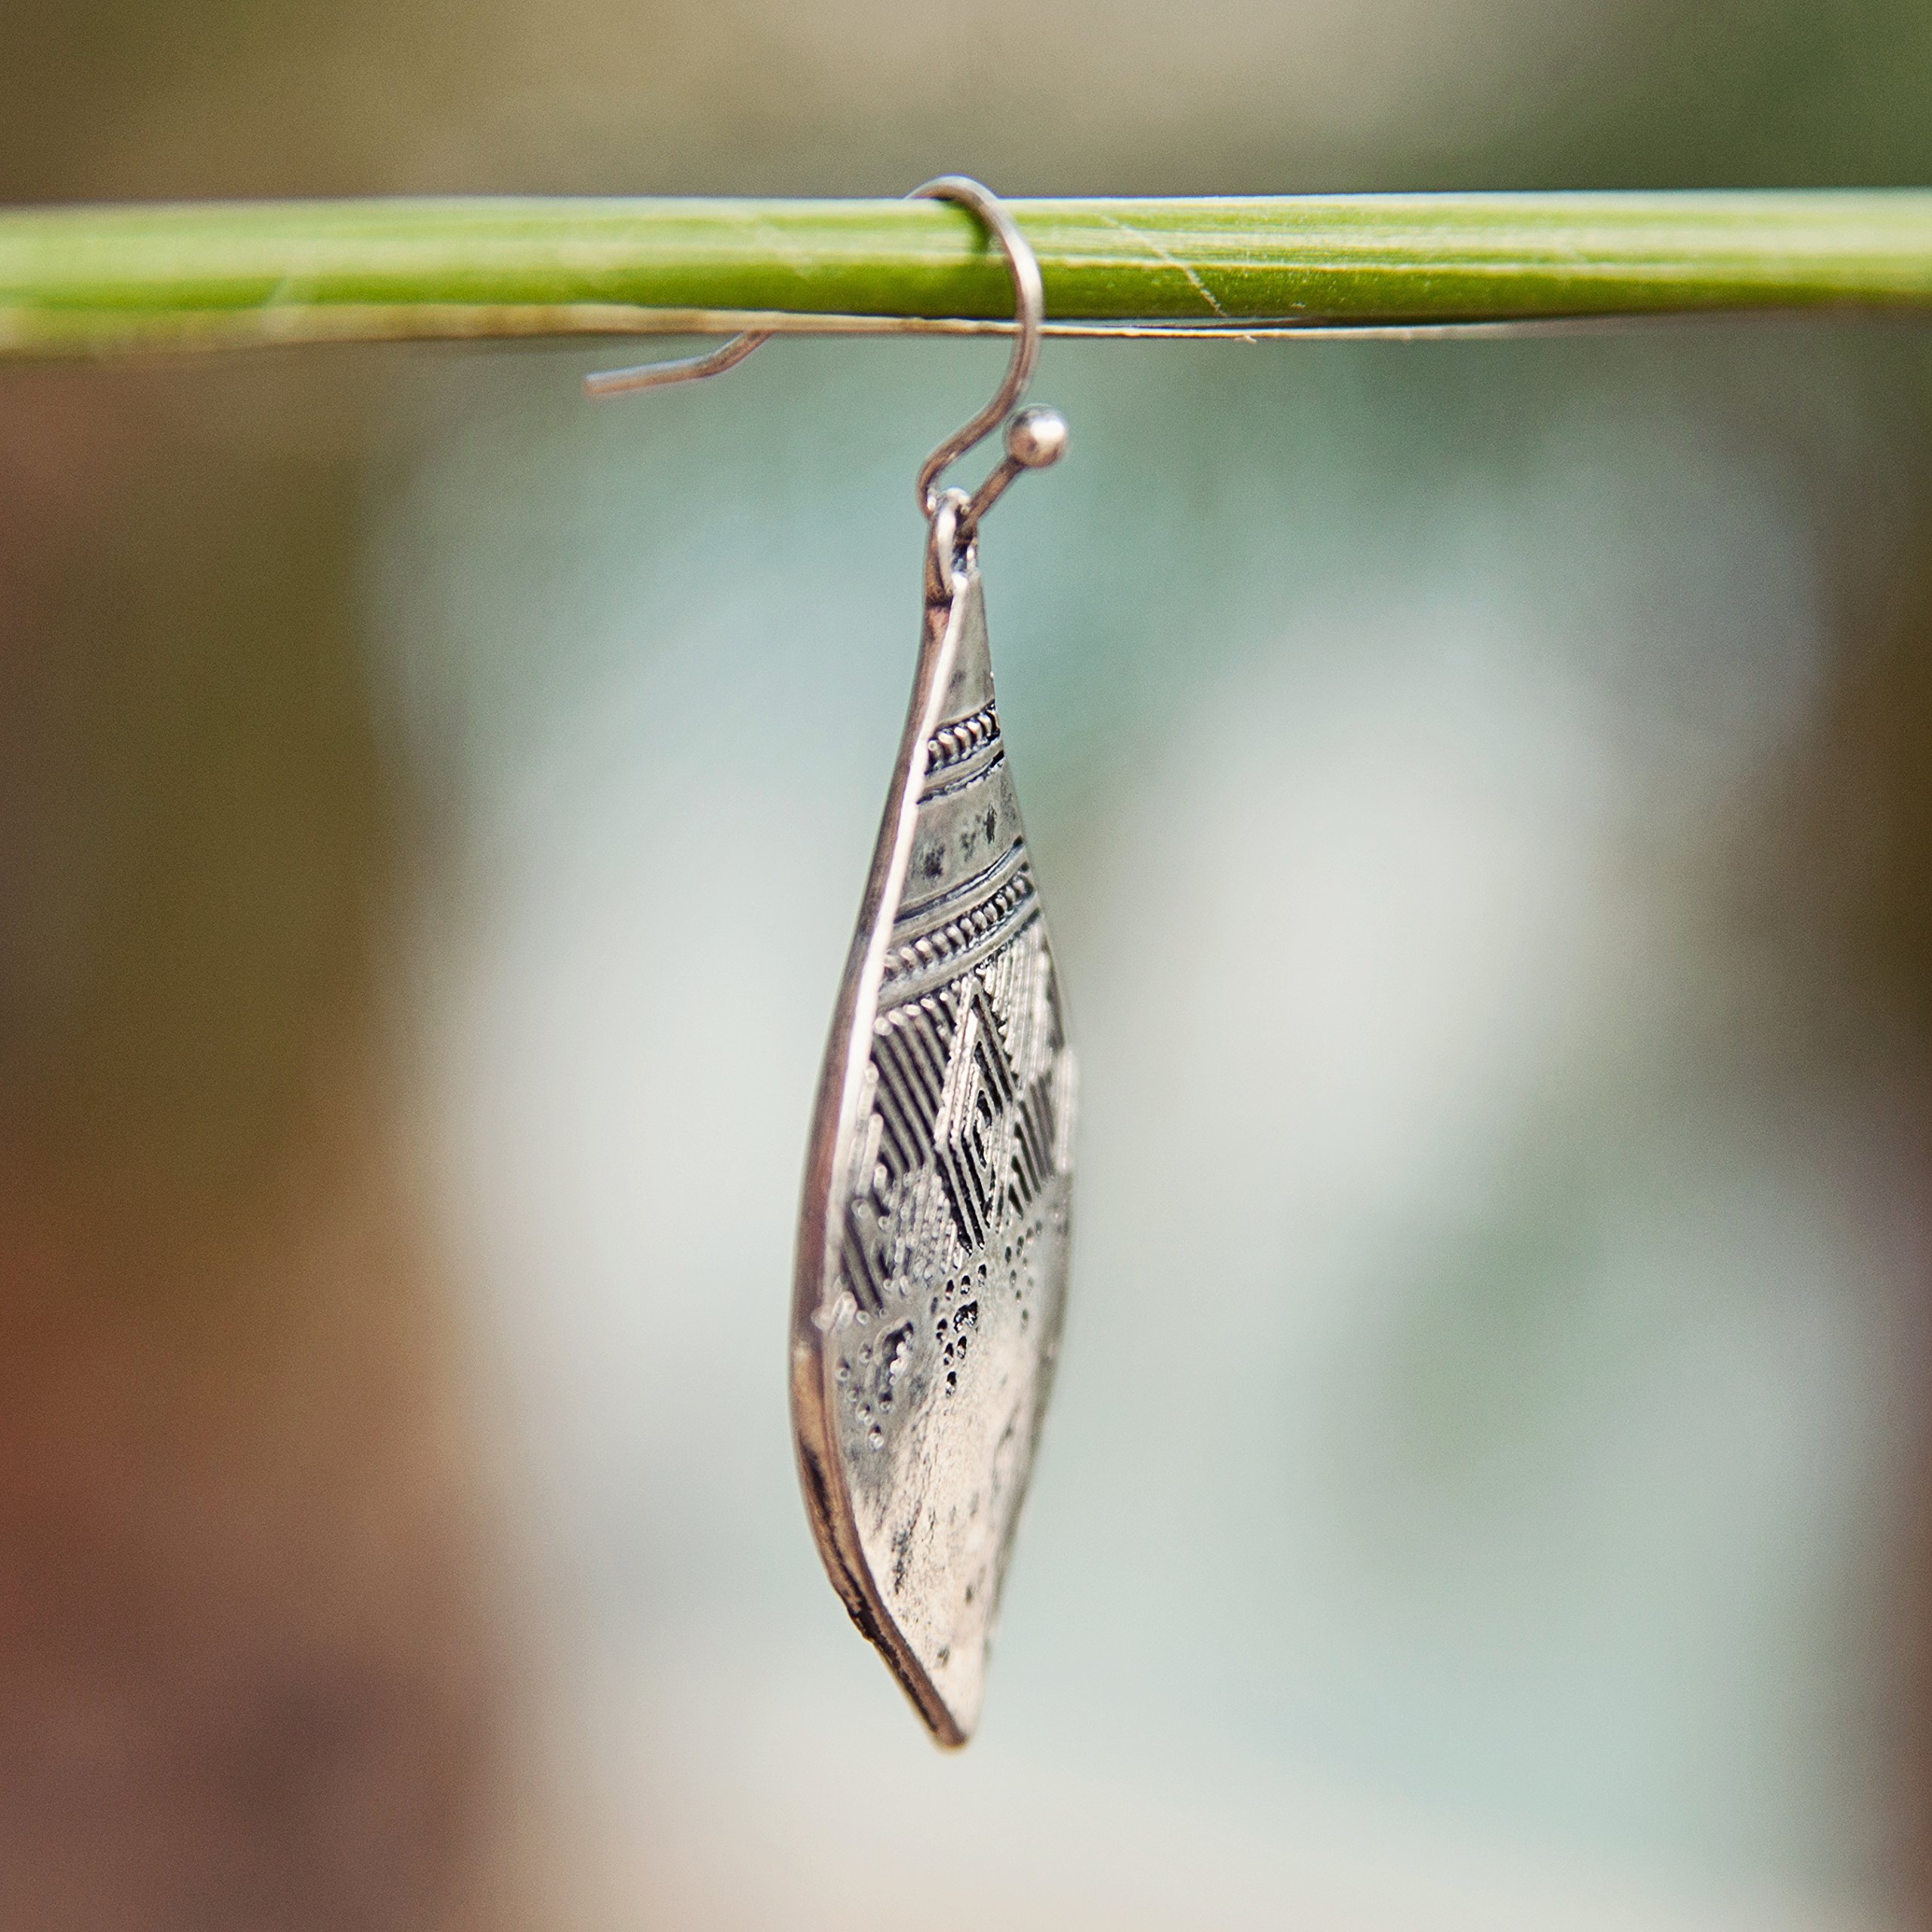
904,980
955,778
908,1145
908,1070
917,916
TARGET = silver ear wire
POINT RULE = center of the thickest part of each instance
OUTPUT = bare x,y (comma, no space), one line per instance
684,369
1035,438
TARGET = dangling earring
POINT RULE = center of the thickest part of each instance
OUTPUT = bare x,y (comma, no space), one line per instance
932,1259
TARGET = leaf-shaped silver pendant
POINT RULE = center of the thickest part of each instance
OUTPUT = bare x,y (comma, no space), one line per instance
932,1257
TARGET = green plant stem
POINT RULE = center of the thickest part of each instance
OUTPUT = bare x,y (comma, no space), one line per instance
97,280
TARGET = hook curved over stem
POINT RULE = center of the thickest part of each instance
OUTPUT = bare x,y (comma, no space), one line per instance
1029,304
1035,437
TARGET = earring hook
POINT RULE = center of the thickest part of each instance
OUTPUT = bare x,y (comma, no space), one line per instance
682,369
1035,438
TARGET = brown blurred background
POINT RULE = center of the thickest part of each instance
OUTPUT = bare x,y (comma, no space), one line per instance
1524,747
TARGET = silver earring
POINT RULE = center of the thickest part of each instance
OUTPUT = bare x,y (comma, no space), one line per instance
932,1245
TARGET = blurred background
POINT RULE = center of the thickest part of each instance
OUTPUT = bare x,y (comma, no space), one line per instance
1483,795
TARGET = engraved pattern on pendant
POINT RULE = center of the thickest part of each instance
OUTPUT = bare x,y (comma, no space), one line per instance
947,1256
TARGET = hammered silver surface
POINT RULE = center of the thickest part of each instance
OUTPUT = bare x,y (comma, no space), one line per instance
932,1257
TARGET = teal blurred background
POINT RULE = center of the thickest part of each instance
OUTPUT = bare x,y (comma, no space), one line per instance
1481,794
